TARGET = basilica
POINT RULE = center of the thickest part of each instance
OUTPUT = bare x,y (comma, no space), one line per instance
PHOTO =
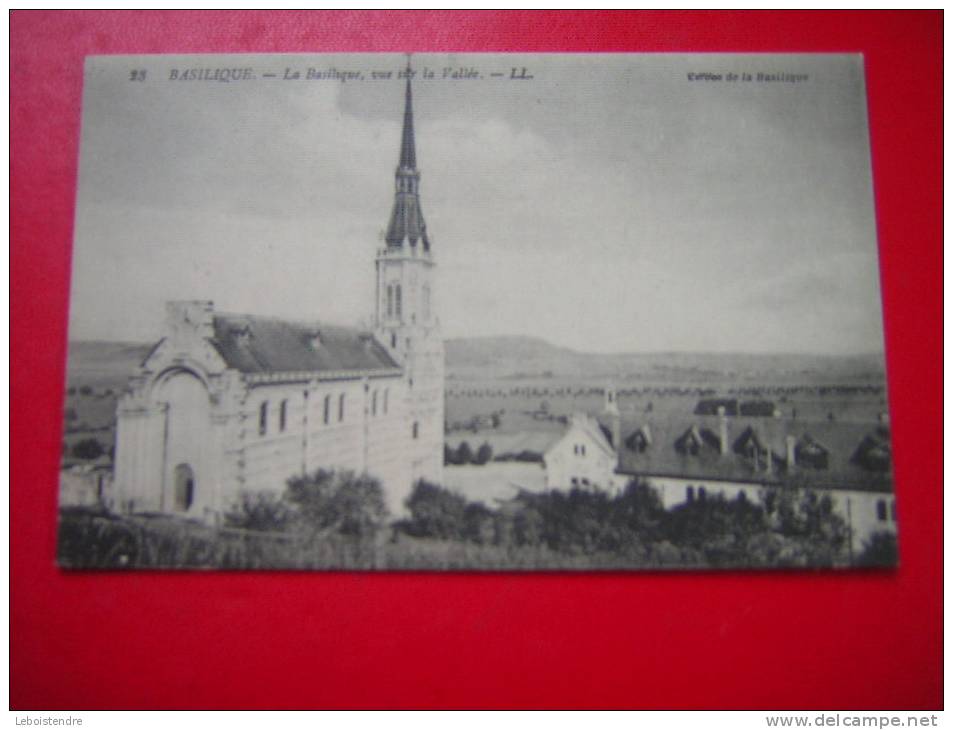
227,404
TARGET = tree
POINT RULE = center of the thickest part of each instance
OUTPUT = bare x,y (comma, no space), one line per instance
464,453
342,502
815,535
435,512
483,454
880,551
88,449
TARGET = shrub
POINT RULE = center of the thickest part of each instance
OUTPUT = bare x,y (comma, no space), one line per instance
483,454
879,551
338,502
464,453
435,512
263,511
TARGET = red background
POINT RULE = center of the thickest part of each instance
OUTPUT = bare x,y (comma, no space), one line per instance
801,640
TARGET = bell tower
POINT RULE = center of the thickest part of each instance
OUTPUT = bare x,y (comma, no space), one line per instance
405,319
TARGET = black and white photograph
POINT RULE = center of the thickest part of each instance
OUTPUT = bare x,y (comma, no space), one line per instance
475,312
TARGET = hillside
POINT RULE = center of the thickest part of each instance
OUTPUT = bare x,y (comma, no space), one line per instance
103,363
517,357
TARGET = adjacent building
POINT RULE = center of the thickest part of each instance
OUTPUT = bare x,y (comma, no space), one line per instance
699,457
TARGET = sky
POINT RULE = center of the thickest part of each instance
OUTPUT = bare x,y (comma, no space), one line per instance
609,203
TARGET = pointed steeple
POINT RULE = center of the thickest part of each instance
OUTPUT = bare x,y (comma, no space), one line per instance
408,155
407,219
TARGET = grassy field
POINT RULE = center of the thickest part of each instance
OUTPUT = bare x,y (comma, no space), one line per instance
93,541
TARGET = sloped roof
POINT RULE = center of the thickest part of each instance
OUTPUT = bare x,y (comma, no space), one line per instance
839,438
253,344
407,222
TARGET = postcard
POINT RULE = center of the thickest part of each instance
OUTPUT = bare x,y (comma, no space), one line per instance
475,312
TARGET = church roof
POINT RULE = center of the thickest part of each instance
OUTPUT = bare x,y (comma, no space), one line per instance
407,222
253,344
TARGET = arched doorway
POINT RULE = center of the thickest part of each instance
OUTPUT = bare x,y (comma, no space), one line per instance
186,458
184,493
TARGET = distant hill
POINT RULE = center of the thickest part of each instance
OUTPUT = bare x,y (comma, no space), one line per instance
519,357
104,363
530,357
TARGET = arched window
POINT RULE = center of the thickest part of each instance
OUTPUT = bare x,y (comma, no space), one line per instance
702,494
386,394
416,430
263,418
374,403
398,308
341,407
283,415
327,409
393,339
390,300
689,494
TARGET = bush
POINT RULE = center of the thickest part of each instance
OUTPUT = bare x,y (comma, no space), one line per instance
483,454
880,551
263,511
464,454
340,502
88,449
435,512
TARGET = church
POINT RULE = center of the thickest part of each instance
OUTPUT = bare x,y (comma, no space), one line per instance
226,404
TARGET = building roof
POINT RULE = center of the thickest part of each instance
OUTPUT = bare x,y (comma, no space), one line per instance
751,442
253,344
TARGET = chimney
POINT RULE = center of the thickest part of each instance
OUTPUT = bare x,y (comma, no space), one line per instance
187,321
790,442
722,430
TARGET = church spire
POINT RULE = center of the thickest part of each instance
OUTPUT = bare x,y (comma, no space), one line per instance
408,155
407,219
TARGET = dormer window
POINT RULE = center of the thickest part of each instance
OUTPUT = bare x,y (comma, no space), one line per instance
242,335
